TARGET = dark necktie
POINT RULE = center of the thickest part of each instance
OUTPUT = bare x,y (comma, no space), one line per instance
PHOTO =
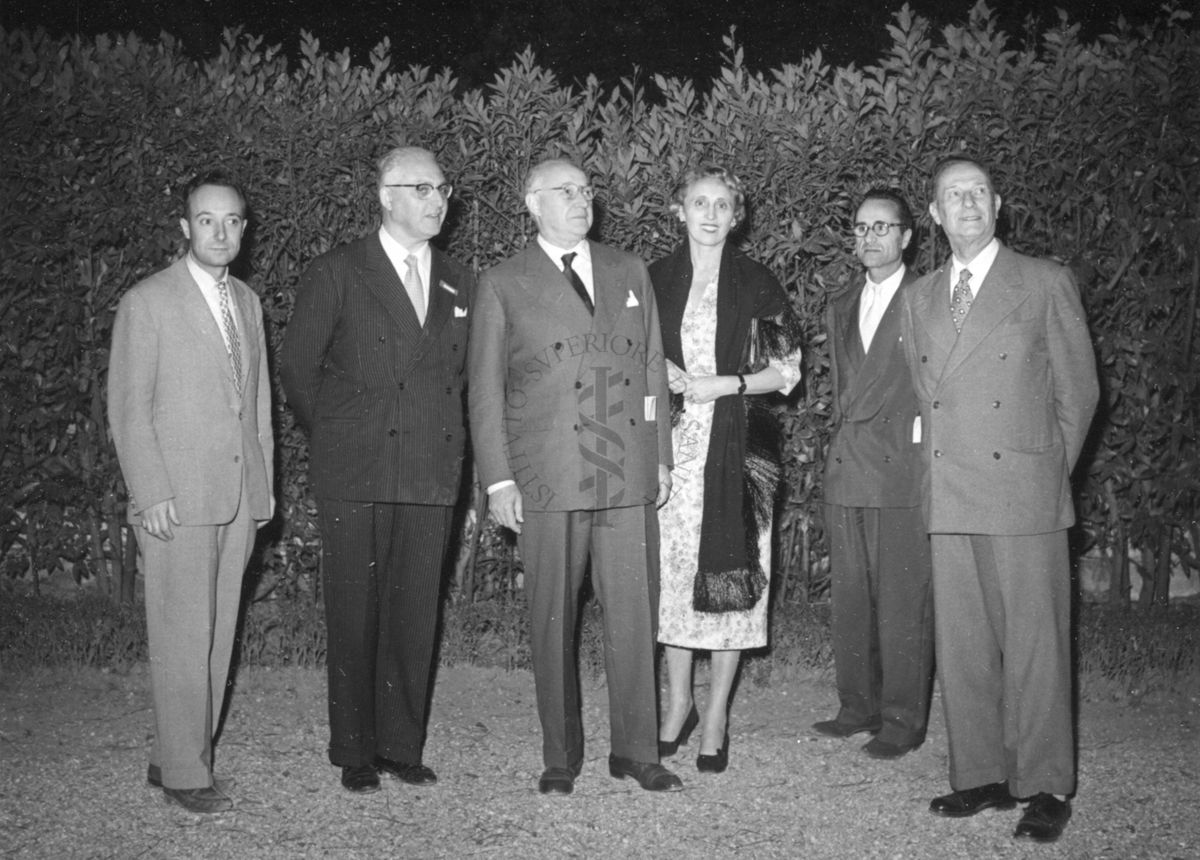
580,289
233,342
960,302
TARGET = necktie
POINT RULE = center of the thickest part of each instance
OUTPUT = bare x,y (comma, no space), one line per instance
416,290
573,277
866,323
960,302
232,341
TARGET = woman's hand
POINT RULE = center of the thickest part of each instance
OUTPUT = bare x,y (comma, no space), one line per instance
677,378
705,389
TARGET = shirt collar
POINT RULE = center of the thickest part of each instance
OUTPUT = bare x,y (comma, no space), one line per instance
979,267
200,275
555,253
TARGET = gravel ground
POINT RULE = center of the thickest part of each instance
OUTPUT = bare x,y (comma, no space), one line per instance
73,759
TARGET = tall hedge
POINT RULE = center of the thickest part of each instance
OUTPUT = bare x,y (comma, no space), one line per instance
1093,147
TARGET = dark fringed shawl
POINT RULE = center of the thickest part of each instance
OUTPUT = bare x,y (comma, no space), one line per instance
741,472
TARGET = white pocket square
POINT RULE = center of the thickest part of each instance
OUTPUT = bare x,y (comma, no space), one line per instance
632,301
459,313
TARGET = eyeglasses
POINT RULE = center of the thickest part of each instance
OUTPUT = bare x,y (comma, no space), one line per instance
424,189
571,191
879,228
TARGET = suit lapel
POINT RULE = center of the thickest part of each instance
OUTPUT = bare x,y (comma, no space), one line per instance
200,317
608,287
999,294
544,284
379,277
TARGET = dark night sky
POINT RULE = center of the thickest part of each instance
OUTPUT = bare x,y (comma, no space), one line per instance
573,37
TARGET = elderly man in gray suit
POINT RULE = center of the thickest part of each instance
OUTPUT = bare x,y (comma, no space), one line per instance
189,406
568,405
1006,377
878,549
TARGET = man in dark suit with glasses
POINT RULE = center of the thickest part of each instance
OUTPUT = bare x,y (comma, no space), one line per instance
373,366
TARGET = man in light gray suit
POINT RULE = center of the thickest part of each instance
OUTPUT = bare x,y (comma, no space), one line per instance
190,413
568,406
1005,375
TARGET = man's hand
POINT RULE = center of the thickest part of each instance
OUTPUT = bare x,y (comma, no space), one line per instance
507,508
664,485
158,519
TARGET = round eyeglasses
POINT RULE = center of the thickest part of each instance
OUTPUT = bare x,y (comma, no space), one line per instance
879,228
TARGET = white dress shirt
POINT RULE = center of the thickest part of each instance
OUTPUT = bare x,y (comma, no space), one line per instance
212,297
979,267
874,302
398,255
581,265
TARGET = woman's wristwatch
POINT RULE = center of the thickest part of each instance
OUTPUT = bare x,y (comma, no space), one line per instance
741,384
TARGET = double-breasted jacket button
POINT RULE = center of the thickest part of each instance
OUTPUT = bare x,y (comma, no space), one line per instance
937,404
1003,356
632,423
578,384
237,458
558,345
887,458
995,404
837,460
449,390
995,455
382,338
449,437
937,453
576,428
924,359
400,385
392,431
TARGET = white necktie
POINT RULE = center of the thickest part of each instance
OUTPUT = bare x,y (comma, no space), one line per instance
416,290
868,319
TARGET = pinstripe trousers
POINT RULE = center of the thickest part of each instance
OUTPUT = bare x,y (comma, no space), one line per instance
381,568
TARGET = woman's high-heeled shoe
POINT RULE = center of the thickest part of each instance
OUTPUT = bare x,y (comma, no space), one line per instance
717,762
666,749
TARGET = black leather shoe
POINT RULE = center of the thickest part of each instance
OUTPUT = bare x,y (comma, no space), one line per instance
717,762
1044,818
360,779
969,801
223,784
556,780
834,729
669,748
413,774
650,776
879,748
202,800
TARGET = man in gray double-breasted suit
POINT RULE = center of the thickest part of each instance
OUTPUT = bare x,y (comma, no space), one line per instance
568,404
878,548
1006,378
189,406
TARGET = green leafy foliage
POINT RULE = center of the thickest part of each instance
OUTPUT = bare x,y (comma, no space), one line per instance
1093,147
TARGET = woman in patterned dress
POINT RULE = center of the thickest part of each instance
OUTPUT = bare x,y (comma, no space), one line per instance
707,294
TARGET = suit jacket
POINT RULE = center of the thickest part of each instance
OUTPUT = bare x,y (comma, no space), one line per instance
181,429
573,407
1006,404
872,461
381,396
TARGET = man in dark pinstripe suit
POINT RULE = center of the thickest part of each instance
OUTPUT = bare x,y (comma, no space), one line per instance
373,367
